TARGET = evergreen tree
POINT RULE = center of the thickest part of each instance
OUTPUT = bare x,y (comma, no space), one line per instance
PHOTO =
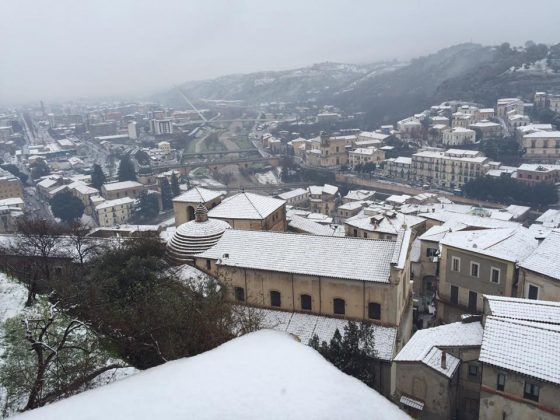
353,353
67,207
98,178
175,190
166,195
126,171
147,206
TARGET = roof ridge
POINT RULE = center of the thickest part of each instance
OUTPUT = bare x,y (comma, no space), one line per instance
539,325
255,207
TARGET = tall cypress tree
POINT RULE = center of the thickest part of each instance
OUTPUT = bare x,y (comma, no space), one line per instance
126,172
166,195
98,178
175,185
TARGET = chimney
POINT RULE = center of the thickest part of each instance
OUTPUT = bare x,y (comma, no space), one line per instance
443,360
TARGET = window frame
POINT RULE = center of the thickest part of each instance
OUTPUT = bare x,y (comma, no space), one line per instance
492,271
239,293
471,293
301,298
453,300
453,259
501,385
528,292
531,395
477,265
471,367
342,302
373,309
275,298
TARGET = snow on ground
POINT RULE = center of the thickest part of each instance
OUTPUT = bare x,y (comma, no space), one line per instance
269,177
262,375
12,298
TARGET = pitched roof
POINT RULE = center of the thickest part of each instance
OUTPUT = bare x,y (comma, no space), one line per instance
305,225
510,244
246,206
529,348
198,195
424,346
544,259
524,309
123,185
338,257
293,193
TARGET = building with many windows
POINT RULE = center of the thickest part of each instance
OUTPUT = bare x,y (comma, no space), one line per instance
114,212
449,169
543,146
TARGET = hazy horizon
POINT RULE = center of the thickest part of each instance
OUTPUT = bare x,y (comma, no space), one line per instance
63,50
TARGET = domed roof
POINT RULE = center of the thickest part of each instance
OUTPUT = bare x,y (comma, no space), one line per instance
196,236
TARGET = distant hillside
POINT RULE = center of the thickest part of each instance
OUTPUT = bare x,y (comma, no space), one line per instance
389,91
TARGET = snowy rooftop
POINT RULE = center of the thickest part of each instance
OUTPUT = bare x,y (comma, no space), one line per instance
373,220
293,193
373,135
305,225
510,244
424,346
543,135
198,195
347,258
246,206
544,259
529,348
359,195
305,326
123,185
266,374
524,309
550,218
446,216
113,203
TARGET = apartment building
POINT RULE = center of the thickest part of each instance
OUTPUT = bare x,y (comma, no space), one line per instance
449,169
458,135
363,155
329,151
542,146
114,190
10,185
505,105
114,212
474,263
536,173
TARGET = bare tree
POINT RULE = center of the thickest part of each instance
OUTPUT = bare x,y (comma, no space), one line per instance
36,243
50,356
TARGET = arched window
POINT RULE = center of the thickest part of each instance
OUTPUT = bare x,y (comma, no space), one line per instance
275,298
190,213
374,310
306,302
339,306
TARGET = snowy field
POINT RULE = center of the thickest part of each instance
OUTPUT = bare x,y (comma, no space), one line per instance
262,375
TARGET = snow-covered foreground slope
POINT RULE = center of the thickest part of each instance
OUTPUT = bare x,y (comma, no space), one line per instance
262,375
12,298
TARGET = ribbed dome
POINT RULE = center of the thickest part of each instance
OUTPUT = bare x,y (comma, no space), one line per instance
194,237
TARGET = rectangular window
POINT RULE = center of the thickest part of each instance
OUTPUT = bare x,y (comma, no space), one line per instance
475,269
501,381
473,371
339,306
374,310
431,252
208,265
532,292
454,295
275,298
455,264
240,294
473,297
531,391
495,275
306,302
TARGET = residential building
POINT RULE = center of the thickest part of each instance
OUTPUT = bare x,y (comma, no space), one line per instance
297,197
474,263
323,199
519,357
487,129
329,151
438,373
409,127
458,135
542,146
349,209
486,113
378,223
365,155
132,130
161,127
449,169
358,195
372,136
539,276
10,185
531,128
399,167
114,190
114,212
506,105
536,173
248,211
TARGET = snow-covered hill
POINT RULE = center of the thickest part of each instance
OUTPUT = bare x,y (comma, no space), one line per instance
262,375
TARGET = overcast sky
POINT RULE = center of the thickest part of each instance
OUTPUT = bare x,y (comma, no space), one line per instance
67,49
